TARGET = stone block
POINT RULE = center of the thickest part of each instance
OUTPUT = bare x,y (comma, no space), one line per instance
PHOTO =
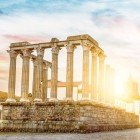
63,117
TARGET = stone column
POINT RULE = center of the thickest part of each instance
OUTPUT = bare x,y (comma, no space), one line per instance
112,88
12,76
109,84
69,76
54,72
85,74
45,80
25,75
34,77
101,77
94,74
39,75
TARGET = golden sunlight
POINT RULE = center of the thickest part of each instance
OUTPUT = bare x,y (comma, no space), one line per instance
119,86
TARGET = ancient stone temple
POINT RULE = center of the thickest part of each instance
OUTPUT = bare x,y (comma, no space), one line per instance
25,49
90,114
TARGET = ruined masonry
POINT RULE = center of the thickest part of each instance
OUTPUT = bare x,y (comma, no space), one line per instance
90,114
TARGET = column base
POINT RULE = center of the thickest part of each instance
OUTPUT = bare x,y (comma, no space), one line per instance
10,100
68,99
37,100
85,99
53,99
24,100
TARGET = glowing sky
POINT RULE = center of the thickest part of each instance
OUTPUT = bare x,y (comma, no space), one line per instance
115,24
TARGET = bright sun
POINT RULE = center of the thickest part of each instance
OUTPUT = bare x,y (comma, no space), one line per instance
119,86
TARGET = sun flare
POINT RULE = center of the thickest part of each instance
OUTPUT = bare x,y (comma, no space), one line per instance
119,86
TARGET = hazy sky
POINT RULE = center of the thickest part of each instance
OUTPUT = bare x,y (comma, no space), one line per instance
115,24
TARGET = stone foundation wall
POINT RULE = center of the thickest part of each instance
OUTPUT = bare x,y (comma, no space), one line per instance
64,117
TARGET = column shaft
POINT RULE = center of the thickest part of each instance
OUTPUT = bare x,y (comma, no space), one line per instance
109,84
25,76
54,73
12,77
85,75
34,78
101,89
54,76
94,75
69,76
112,88
45,81
39,75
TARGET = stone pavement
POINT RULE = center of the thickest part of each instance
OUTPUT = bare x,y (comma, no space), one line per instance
133,134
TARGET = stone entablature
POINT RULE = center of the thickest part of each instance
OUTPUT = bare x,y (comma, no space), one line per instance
64,116
75,40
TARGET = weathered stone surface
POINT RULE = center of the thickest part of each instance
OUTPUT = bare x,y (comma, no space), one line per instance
64,117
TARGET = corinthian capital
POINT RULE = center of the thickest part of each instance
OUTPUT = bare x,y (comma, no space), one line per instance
70,47
40,51
55,49
49,64
94,52
26,52
44,66
34,61
87,45
12,53
101,55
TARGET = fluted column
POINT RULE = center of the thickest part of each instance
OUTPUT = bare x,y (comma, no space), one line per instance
69,76
12,76
112,88
25,75
39,75
101,89
109,84
34,77
85,74
54,73
94,67
45,80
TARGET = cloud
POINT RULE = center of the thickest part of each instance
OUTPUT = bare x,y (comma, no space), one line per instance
28,38
1,12
3,57
2,75
40,6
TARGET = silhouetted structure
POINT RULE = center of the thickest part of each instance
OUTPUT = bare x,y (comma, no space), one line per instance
132,88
